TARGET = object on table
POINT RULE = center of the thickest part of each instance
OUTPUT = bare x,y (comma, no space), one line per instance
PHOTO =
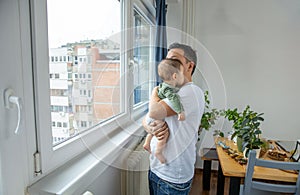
223,145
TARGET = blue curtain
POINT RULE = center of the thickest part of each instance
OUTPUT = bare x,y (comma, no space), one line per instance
161,34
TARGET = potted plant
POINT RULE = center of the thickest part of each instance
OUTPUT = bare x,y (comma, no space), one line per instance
246,127
209,116
237,119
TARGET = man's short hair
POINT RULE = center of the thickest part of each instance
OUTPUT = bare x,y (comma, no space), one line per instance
189,52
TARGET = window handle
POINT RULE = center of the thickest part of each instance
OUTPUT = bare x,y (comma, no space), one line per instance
10,100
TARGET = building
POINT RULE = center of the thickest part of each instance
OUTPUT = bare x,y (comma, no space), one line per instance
84,86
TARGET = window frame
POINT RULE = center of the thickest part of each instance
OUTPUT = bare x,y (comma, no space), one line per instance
53,157
147,12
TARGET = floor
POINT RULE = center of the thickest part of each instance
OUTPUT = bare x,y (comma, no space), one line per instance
197,184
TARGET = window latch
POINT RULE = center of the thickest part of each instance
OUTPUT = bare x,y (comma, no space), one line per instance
10,101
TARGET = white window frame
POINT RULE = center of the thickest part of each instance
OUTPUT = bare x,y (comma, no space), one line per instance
144,8
53,157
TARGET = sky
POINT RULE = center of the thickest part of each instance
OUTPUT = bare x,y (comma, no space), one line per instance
75,20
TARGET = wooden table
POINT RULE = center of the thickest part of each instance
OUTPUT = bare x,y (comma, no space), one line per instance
228,167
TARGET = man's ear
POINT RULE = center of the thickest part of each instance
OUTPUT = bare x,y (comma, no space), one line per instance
191,66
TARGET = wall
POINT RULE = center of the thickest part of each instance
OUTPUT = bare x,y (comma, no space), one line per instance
251,47
255,45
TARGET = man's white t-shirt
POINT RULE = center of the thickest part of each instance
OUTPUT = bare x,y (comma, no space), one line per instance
180,150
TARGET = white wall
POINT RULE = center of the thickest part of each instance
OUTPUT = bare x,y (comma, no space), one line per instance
255,45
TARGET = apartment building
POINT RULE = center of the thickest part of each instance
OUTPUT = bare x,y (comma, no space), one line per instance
84,86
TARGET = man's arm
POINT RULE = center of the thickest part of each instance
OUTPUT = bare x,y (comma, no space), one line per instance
158,109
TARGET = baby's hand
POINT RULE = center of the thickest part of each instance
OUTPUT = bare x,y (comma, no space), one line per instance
181,116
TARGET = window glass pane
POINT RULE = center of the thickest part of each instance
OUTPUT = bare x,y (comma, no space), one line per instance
84,66
142,58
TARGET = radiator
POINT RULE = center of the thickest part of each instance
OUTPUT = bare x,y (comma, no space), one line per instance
136,174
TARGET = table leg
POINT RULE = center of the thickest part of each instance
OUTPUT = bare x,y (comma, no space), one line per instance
221,181
234,188
206,174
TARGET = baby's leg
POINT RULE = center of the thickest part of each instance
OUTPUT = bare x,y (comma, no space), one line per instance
147,143
159,149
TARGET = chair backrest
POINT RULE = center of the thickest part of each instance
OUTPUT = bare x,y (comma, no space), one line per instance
260,185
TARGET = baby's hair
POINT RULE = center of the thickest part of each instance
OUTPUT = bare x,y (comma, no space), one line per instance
167,67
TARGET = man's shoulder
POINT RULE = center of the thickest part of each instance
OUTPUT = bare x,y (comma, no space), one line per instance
191,87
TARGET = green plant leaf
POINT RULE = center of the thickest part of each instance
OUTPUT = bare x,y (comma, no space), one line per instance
221,134
257,132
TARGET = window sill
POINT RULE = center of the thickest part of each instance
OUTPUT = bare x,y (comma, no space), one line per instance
76,175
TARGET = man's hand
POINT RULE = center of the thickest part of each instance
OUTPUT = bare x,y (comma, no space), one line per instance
161,129
158,128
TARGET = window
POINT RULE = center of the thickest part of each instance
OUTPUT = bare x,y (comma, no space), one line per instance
142,55
86,95
86,41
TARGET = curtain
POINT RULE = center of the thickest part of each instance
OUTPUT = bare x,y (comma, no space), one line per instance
188,21
161,34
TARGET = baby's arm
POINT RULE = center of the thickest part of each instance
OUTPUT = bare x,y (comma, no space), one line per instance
158,109
176,104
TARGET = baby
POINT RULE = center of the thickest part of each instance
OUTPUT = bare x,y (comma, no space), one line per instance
171,72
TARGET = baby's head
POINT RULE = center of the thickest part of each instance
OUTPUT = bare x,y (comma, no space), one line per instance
171,72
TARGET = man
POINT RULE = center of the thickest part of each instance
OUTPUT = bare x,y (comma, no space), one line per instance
175,176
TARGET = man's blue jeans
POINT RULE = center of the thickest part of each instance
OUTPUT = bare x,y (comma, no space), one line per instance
157,186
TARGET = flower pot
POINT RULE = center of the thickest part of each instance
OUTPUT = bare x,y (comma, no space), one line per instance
247,150
239,143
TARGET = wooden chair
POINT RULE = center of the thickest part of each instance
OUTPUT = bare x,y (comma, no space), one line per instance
251,185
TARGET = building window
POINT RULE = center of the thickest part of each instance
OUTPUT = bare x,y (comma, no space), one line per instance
83,124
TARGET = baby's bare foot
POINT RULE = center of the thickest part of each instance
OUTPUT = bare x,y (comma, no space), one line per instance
147,147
